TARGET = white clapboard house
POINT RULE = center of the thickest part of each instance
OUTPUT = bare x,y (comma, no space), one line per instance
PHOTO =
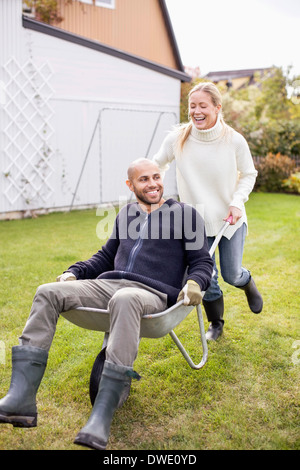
81,99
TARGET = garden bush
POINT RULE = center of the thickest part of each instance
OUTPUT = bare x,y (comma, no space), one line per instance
273,170
275,137
292,184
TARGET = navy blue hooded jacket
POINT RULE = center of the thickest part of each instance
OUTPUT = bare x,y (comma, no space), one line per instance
161,249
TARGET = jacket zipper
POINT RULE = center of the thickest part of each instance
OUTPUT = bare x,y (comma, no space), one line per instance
136,247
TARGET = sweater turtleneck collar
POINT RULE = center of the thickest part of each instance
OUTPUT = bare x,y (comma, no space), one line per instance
208,134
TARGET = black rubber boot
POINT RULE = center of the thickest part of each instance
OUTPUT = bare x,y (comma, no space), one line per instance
18,407
254,298
114,379
95,378
214,311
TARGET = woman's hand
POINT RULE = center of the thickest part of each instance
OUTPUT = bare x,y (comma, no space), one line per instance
235,213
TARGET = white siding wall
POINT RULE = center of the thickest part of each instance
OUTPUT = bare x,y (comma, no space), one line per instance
92,115
11,40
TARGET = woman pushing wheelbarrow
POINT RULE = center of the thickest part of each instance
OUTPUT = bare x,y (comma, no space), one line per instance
216,174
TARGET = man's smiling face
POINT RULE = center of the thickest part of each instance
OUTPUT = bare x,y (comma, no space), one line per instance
146,183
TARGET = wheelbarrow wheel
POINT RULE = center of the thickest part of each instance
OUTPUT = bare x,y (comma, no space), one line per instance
96,375
95,378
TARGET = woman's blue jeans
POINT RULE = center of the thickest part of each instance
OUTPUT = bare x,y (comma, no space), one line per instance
230,257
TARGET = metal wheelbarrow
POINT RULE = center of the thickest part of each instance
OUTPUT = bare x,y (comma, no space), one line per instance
152,326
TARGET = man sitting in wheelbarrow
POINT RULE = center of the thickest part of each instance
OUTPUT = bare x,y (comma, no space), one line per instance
140,270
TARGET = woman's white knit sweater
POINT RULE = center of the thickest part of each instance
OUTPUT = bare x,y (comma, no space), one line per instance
214,170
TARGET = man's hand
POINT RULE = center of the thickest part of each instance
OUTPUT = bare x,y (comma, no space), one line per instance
190,294
68,276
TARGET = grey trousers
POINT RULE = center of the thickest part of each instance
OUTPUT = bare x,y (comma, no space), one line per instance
127,302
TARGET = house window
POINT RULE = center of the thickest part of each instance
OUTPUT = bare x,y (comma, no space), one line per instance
28,11
105,3
101,3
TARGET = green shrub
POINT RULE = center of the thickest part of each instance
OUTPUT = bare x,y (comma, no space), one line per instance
275,137
292,184
272,171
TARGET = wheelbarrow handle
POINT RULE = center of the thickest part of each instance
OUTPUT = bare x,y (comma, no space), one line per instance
229,219
219,235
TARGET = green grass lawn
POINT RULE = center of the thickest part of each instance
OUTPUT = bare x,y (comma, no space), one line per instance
247,395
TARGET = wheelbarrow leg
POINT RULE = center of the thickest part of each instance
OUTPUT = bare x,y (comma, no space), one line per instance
203,341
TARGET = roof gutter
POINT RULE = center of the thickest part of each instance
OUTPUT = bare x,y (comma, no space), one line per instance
97,46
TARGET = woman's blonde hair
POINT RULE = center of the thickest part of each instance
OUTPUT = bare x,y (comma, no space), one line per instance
216,97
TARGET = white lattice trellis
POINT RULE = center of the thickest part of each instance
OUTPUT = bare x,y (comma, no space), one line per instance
28,132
